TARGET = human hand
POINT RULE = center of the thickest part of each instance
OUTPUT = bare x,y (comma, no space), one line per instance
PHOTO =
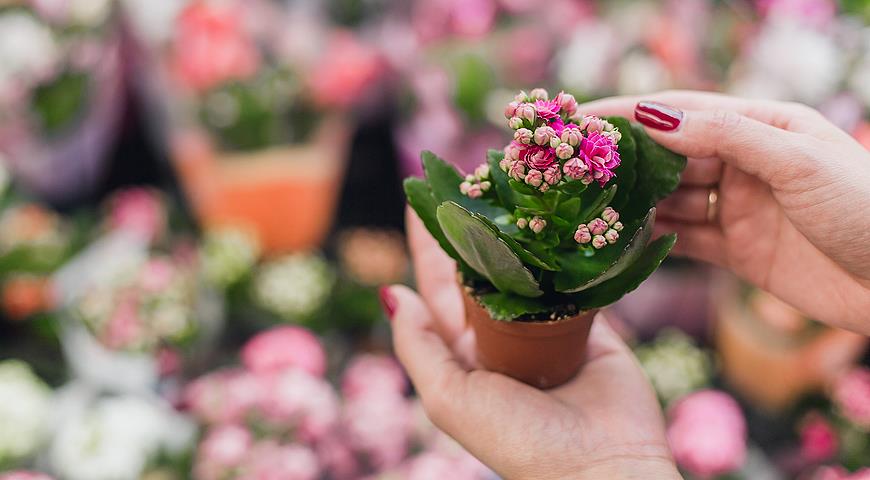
793,197
606,423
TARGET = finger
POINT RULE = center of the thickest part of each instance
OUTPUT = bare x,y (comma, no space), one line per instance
785,115
686,204
436,279
702,172
701,242
427,359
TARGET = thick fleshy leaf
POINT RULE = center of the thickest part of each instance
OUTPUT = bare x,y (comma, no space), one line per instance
500,179
444,182
594,202
615,288
525,255
506,307
420,198
626,176
482,249
581,272
658,174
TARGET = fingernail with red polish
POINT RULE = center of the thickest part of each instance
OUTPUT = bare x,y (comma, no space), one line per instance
388,301
658,116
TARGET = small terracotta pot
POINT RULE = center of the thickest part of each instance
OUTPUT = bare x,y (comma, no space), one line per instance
543,354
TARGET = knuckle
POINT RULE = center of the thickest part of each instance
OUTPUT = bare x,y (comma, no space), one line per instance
725,120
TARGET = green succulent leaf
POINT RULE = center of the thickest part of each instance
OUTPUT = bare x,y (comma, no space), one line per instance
525,255
581,272
500,179
506,307
485,252
615,288
444,182
595,200
626,176
520,187
569,209
420,198
658,174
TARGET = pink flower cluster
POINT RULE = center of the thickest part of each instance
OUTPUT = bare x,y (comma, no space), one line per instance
707,433
278,417
554,143
601,231
851,395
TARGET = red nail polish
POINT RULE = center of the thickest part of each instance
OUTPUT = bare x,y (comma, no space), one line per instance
658,116
388,301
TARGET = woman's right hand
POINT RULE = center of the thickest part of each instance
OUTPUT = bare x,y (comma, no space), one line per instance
793,196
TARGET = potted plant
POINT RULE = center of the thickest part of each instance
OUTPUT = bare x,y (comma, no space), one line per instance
547,231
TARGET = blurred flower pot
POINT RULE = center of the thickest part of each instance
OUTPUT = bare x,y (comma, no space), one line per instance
285,194
544,354
772,354
69,164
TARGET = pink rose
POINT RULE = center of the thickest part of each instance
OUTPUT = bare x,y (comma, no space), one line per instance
223,396
138,210
221,451
851,394
376,374
211,45
538,157
24,475
269,460
818,438
707,433
283,347
547,109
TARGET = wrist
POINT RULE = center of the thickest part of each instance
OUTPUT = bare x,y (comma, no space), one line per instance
631,468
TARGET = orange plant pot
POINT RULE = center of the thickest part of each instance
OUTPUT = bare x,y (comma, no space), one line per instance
543,354
286,195
773,367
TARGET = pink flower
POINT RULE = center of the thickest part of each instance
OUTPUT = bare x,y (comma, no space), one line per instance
547,109
223,396
510,109
610,215
221,451
571,135
829,472
168,361
347,69
514,150
283,347
851,394
598,242
337,458
539,157
567,102
552,175
24,475
295,399
211,45
582,235
600,155
369,373
575,169
564,151
707,433
380,427
534,178
597,226
124,328
537,224
138,210
818,438
269,460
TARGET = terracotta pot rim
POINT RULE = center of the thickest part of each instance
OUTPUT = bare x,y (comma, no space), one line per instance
535,328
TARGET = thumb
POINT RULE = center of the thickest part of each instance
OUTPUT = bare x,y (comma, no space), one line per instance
754,147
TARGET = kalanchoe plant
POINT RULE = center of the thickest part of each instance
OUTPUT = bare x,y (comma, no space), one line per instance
560,220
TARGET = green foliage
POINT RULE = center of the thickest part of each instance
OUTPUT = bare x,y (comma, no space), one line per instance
521,273
58,103
474,78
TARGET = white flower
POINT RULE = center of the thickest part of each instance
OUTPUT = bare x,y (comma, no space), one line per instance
27,48
23,410
227,255
674,365
294,286
115,438
788,61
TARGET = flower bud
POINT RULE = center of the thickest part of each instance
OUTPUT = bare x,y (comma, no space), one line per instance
482,171
537,224
598,241
534,178
464,187
475,191
591,123
552,175
539,94
522,223
521,97
567,102
613,135
597,226
582,235
555,141
610,216
617,226
523,135
611,236
512,151
517,170
543,135
510,109
526,111
544,187
504,164
572,136
575,169
587,179
470,178
564,151
515,123
485,186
